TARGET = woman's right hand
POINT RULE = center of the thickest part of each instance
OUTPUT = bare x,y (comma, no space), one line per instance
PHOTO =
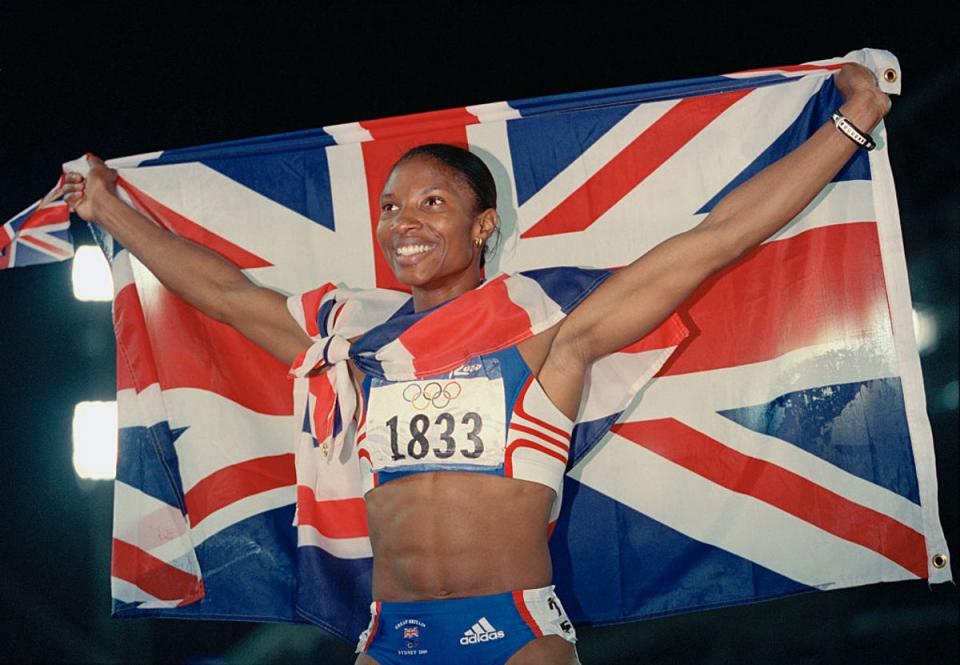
201,277
86,195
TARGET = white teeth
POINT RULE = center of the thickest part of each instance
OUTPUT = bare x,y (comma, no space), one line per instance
410,250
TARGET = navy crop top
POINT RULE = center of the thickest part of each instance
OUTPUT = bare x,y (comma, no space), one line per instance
488,416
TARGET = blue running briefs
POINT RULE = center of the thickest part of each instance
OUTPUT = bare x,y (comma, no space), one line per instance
483,630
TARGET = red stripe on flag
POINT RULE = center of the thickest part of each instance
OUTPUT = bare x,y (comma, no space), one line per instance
792,68
482,321
7,235
667,335
156,577
54,214
420,125
823,285
45,246
333,518
185,228
310,301
197,352
125,377
633,164
394,136
136,367
323,406
781,488
238,481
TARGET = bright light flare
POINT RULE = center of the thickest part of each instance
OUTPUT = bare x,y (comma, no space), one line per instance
91,275
926,330
95,440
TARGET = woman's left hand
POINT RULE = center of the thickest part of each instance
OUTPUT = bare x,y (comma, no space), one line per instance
857,82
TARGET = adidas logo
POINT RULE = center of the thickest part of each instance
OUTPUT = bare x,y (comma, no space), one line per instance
481,631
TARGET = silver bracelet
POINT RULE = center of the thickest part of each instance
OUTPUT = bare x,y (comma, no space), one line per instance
848,129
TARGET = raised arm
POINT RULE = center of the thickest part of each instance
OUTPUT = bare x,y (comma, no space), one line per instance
203,278
637,298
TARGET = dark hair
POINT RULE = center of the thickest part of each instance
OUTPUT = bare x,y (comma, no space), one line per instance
466,166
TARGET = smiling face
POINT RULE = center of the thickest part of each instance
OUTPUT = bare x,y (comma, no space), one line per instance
428,226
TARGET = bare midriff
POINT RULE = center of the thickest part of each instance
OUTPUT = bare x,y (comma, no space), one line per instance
455,534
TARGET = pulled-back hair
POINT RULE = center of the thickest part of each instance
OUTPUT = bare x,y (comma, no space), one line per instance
468,167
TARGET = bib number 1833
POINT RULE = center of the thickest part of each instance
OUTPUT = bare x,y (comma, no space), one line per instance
417,446
454,421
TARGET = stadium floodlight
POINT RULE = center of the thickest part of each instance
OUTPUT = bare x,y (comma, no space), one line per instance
91,275
95,440
926,330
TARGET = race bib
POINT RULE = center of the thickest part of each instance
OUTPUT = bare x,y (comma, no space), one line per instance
453,420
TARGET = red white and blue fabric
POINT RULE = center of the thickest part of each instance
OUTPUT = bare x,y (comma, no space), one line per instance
399,344
784,447
39,234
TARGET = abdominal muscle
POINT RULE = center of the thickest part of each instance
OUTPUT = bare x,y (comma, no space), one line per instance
455,534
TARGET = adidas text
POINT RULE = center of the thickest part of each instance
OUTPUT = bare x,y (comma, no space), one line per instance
482,631
482,637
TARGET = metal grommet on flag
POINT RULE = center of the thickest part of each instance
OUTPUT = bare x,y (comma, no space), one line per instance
939,560
890,75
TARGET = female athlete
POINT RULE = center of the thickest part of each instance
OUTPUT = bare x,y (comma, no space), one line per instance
470,583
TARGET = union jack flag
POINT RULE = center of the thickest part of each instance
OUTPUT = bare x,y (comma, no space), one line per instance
783,448
39,234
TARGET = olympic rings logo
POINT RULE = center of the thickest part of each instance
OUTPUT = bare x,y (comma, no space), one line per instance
432,394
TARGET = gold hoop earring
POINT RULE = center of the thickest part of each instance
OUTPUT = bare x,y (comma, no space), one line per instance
477,242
